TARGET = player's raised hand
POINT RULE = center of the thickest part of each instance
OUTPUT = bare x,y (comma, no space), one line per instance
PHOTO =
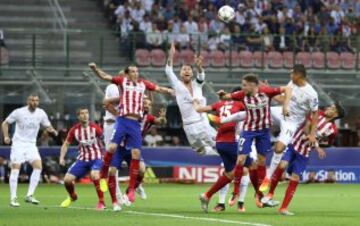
7,140
199,62
62,162
172,49
92,66
321,152
312,139
221,93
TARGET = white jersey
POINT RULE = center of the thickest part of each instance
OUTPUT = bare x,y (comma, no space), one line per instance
303,100
111,91
27,123
183,97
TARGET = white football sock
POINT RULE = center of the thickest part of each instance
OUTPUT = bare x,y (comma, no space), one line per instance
222,193
243,187
275,160
34,181
13,181
118,190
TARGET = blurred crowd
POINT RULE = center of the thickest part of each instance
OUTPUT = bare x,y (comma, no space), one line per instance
4,54
281,25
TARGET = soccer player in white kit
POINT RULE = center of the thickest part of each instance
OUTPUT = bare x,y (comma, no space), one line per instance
199,133
304,99
23,149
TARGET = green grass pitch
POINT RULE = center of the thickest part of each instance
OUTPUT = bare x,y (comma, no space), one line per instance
177,204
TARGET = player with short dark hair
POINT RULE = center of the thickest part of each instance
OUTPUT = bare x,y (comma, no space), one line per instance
88,135
296,155
256,125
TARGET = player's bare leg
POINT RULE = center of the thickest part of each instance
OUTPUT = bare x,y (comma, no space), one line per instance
237,174
290,191
275,160
95,177
34,181
69,182
223,180
243,189
13,181
134,173
138,185
105,168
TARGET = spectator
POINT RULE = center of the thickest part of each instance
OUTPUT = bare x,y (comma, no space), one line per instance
213,41
337,14
4,170
175,141
145,24
267,40
137,13
121,9
240,14
168,13
238,39
169,33
309,42
357,127
225,39
153,139
45,139
2,39
254,41
210,13
154,37
191,26
216,25
125,24
182,40
147,4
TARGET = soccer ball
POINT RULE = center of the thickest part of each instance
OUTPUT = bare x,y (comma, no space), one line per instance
226,13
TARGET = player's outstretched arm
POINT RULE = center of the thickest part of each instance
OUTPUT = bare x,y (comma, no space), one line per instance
100,73
200,78
321,152
237,117
51,130
199,108
110,103
63,151
223,95
162,89
287,91
5,132
173,80
161,120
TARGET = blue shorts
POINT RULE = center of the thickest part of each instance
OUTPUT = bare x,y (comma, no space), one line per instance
228,153
129,130
80,168
120,155
262,142
297,162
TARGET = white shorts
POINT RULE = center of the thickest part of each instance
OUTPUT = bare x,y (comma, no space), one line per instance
108,130
200,134
287,131
24,152
276,115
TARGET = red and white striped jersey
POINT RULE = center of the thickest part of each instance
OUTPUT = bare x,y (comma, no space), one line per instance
146,123
257,107
89,139
132,94
325,129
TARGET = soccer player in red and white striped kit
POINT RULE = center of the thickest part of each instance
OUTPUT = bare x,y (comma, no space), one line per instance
296,155
132,91
89,136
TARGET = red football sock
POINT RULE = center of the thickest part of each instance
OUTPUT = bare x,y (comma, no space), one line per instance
70,188
238,172
254,180
112,188
106,163
289,193
139,180
275,179
261,173
134,172
220,183
100,194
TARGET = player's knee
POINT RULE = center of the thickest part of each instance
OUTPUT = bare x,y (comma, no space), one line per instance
283,164
279,147
68,179
245,171
112,147
15,166
261,160
37,165
295,177
229,175
135,153
142,168
112,171
241,160
95,175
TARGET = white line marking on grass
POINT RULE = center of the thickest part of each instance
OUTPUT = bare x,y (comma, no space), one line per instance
168,216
